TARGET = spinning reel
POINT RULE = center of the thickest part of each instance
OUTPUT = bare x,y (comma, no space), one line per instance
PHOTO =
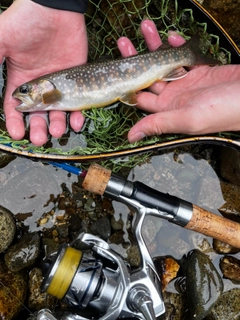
100,284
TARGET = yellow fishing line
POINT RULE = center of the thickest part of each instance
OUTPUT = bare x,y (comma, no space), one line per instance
65,273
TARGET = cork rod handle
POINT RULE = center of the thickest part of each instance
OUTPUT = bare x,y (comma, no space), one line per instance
202,221
214,226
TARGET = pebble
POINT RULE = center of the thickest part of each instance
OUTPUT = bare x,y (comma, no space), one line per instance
175,306
101,227
37,299
133,256
224,248
227,307
24,253
230,267
7,228
117,224
167,268
12,292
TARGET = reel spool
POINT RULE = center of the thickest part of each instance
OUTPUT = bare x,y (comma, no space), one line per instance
79,279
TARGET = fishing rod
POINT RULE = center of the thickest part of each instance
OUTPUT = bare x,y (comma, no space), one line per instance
69,168
96,280
102,181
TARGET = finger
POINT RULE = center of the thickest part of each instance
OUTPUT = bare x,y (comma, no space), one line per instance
14,119
151,35
76,120
158,87
153,103
126,47
15,125
162,122
174,39
57,126
38,128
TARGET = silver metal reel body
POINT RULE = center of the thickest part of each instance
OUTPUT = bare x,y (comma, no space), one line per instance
123,292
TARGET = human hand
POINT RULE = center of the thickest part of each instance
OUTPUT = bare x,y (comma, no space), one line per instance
36,40
205,101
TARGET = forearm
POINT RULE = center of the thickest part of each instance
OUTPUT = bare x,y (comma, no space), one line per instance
70,5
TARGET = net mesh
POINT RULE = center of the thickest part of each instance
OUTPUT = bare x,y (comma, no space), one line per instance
107,20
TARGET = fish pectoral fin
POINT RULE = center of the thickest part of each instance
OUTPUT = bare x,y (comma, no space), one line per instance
175,74
129,98
51,96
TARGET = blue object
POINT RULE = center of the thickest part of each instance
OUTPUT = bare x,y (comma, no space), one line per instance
69,168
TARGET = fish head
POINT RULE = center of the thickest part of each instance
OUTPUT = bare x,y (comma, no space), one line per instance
36,95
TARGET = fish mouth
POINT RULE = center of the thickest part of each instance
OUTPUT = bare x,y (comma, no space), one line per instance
23,107
26,103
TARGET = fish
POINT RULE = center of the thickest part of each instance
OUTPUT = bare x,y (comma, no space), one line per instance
103,83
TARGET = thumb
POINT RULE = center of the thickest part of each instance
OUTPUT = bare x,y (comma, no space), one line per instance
174,121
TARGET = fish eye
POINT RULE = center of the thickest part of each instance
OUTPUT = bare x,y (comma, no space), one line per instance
24,89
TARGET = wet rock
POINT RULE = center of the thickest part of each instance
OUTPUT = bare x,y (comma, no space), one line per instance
7,228
89,205
50,246
167,268
230,267
133,256
200,242
224,248
229,161
33,197
117,224
204,285
5,158
13,291
75,223
227,306
102,228
210,191
24,253
62,230
117,237
150,229
175,305
37,299
231,207
171,242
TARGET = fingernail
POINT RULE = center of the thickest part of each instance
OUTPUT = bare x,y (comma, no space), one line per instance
137,136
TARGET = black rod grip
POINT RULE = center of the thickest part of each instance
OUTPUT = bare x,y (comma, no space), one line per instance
155,199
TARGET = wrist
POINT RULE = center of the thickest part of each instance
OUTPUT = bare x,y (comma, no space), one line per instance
70,5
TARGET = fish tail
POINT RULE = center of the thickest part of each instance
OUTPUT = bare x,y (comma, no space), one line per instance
200,59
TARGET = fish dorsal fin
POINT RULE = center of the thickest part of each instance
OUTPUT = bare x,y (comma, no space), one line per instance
129,98
51,96
175,74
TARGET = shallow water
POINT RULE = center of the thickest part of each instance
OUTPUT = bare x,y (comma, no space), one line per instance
32,189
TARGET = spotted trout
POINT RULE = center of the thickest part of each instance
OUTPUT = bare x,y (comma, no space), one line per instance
103,83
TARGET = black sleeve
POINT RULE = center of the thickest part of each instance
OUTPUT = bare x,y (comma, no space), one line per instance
70,5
